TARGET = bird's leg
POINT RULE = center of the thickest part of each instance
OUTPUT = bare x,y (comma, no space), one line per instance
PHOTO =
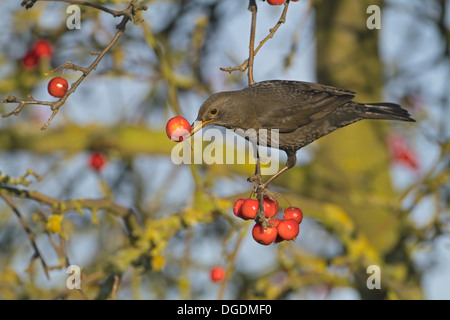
279,173
259,184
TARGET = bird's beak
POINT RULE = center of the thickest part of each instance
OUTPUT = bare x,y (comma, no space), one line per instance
200,124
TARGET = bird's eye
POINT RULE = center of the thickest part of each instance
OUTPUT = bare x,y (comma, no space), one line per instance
213,111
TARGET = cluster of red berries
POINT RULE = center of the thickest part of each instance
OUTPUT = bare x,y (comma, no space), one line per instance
278,2
278,229
39,50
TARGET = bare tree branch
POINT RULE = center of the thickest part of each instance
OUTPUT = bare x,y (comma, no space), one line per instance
60,206
116,13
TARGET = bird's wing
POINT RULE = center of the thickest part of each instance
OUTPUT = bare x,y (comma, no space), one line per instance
288,105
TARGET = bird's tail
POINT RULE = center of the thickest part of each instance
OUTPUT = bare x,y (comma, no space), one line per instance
384,110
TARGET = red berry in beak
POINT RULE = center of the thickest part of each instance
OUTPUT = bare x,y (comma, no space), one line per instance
177,129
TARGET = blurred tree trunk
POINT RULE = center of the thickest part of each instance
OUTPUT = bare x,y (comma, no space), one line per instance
355,157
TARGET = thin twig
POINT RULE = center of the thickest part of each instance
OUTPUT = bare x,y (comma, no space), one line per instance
116,13
245,65
115,287
275,28
59,249
231,265
30,234
22,103
251,57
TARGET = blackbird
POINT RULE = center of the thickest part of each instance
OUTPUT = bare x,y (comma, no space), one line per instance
301,111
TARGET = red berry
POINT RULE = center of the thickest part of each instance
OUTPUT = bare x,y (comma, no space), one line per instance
57,87
249,209
264,237
30,60
237,207
97,161
217,274
42,48
178,128
275,223
278,239
294,214
288,229
270,207
275,2
402,153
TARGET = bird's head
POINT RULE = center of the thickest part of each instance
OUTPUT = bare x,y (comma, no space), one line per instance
217,110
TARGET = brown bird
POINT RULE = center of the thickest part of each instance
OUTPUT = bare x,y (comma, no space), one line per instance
301,111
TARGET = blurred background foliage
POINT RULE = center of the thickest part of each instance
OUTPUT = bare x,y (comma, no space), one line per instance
140,227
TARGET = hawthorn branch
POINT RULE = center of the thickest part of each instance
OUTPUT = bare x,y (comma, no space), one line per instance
127,14
60,206
22,103
246,64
